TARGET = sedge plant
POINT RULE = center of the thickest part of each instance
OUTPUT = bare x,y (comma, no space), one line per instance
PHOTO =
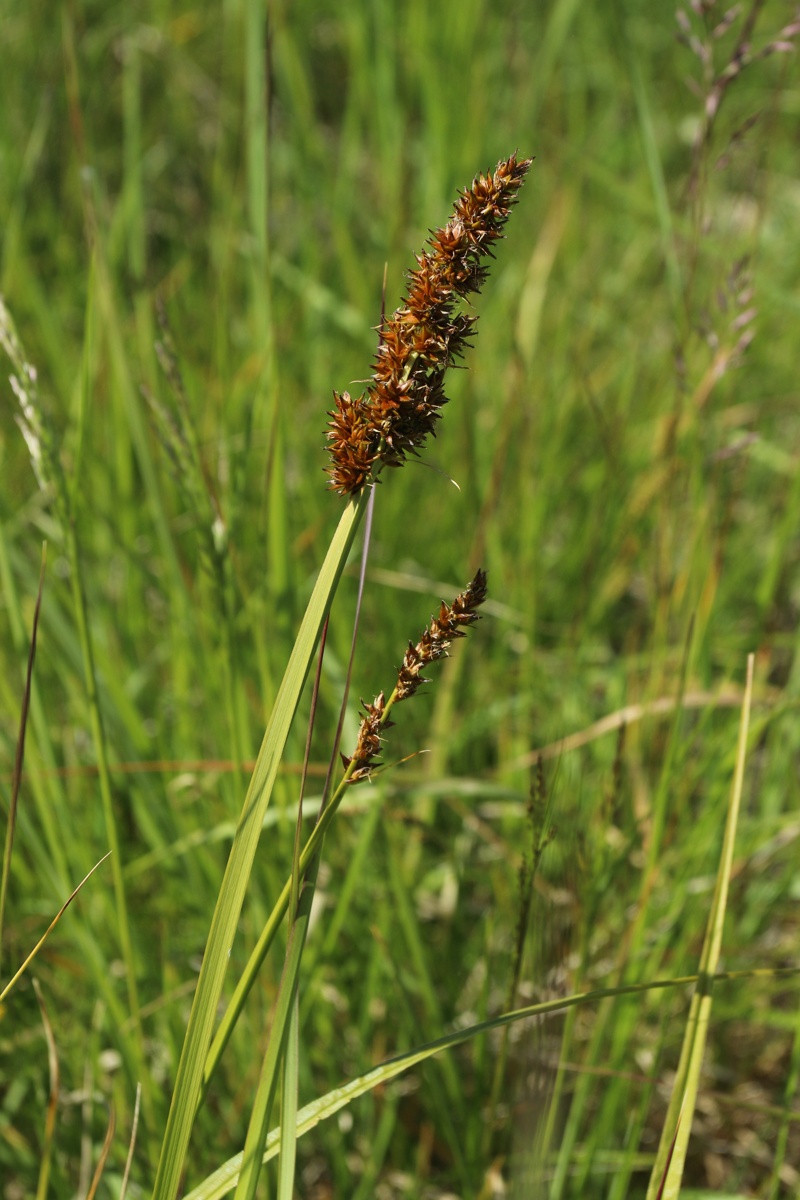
379,429
389,422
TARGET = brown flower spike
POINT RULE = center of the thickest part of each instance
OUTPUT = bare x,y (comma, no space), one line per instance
452,622
424,337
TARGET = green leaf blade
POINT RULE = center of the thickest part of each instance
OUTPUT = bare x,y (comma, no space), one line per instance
189,1078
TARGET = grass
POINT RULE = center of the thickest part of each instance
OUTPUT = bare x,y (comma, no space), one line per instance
198,205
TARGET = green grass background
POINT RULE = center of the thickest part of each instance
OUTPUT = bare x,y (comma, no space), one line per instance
254,168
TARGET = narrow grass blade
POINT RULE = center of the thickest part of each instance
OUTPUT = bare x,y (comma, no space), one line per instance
43,443
252,1156
48,931
100,741
19,756
417,963
46,1156
132,1144
101,1162
284,1034
290,1072
231,896
346,891
225,1178
789,1113
655,167
288,1153
379,1146
665,1180
300,862
262,946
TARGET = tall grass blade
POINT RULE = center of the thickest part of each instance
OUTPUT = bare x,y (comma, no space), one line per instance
231,896
100,742
21,970
667,1173
655,167
46,1157
284,1034
19,755
252,1158
265,940
225,1178
300,861
789,1114
101,1162
44,447
132,1144
289,1086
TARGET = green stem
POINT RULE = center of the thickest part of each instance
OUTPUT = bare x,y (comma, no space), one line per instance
267,935
259,1121
103,772
189,1080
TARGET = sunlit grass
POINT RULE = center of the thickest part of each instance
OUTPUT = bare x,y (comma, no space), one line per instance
626,470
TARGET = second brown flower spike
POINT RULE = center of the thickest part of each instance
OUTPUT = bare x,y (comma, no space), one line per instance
452,622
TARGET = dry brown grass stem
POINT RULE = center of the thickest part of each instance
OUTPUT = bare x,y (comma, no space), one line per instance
629,715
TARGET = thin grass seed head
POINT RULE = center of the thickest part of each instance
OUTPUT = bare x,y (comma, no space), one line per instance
426,335
34,418
451,623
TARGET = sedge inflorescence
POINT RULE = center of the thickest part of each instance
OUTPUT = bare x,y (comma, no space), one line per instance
452,622
423,338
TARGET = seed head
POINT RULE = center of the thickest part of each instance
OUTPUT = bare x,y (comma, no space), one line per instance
425,336
452,622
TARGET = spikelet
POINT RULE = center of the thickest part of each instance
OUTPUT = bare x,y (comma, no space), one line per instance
426,335
452,622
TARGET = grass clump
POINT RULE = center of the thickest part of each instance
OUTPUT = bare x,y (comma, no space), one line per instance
197,212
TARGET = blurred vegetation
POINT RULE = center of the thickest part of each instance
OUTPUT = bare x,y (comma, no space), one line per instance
231,180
